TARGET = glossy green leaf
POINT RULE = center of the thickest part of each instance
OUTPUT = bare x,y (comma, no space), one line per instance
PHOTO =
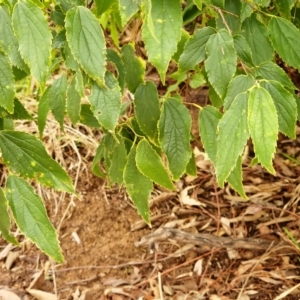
243,49
145,101
8,40
232,137
138,186
106,102
194,50
257,36
86,41
161,42
25,155
221,59
134,68
286,107
127,9
7,90
286,40
34,36
5,220
208,120
73,102
174,135
43,110
263,126
150,164
238,85
31,216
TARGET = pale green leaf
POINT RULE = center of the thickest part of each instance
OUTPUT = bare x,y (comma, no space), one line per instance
243,49
127,9
7,90
194,50
238,85
34,36
235,179
25,155
8,41
263,126
5,220
174,135
106,102
286,40
86,41
150,164
232,137
286,107
134,68
79,83
146,100
138,186
43,110
198,3
31,216
221,59
257,36
167,24
73,102
208,120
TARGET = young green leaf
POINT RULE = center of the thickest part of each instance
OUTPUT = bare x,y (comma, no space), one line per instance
5,220
138,186
257,36
208,120
161,42
174,135
194,50
73,102
232,137
127,9
34,36
26,155
7,90
106,102
134,68
145,101
286,40
263,125
286,107
220,64
31,216
238,85
86,41
243,49
150,164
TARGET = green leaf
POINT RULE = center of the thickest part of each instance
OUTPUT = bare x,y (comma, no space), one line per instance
181,44
25,155
118,160
174,135
257,36
87,118
194,50
151,165
5,220
243,49
198,3
97,159
8,41
191,168
34,36
66,5
43,109
31,216
127,9
271,71
208,120
7,91
58,16
106,102
235,178
134,68
238,85
103,5
86,41
145,101
161,42
20,113
73,102
214,97
221,59
284,8
263,125
70,61
232,137
138,186
286,40
286,107
60,40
